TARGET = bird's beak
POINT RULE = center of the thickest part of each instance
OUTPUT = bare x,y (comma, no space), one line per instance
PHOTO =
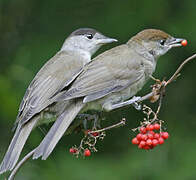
106,40
175,42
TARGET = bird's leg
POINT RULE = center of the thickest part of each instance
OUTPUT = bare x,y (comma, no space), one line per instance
132,101
89,117
96,122
81,123
84,118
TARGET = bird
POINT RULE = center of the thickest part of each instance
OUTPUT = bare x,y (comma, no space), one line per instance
57,74
109,81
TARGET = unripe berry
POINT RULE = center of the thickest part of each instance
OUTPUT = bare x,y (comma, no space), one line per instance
87,152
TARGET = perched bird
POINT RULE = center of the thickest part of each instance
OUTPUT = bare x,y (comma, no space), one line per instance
58,73
109,80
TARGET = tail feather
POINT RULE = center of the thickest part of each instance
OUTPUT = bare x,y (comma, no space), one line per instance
57,130
14,150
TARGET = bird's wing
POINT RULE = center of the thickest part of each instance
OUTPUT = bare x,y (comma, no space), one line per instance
58,72
107,73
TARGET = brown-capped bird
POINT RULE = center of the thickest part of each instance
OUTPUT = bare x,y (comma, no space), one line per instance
109,80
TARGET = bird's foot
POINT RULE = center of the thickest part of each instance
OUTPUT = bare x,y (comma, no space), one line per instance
132,101
135,104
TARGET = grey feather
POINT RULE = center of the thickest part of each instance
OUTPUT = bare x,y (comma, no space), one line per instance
67,83
106,74
57,130
16,145
58,72
98,95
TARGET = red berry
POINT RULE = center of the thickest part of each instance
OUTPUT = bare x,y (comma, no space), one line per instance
87,152
156,136
150,136
156,126
72,150
95,134
135,141
143,130
139,137
165,135
155,142
184,42
144,137
149,127
142,143
149,142
151,147
146,147
161,140
151,132
140,146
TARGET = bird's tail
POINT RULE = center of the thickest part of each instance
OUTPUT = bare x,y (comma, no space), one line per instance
14,150
57,130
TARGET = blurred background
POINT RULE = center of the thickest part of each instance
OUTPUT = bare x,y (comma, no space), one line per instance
33,31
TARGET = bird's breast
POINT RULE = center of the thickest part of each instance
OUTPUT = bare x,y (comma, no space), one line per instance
149,67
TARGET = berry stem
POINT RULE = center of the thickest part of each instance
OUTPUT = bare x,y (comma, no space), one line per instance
121,123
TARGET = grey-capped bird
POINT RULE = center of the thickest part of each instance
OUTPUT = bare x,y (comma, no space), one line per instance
109,80
57,74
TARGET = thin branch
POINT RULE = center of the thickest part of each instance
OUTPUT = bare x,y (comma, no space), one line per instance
16,169
121,123
160,103
173,77
180,68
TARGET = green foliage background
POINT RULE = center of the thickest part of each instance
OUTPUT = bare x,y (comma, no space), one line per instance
32,31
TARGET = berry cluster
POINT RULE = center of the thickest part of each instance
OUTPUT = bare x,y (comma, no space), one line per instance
86,152
148,138
87,144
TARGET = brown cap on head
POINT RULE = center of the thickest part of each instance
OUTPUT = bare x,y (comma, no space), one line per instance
83,31
151,34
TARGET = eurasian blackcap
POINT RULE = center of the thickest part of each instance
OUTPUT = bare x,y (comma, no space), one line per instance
109,80
57,74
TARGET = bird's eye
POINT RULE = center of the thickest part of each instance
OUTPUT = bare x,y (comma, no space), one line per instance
89,36
162,42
